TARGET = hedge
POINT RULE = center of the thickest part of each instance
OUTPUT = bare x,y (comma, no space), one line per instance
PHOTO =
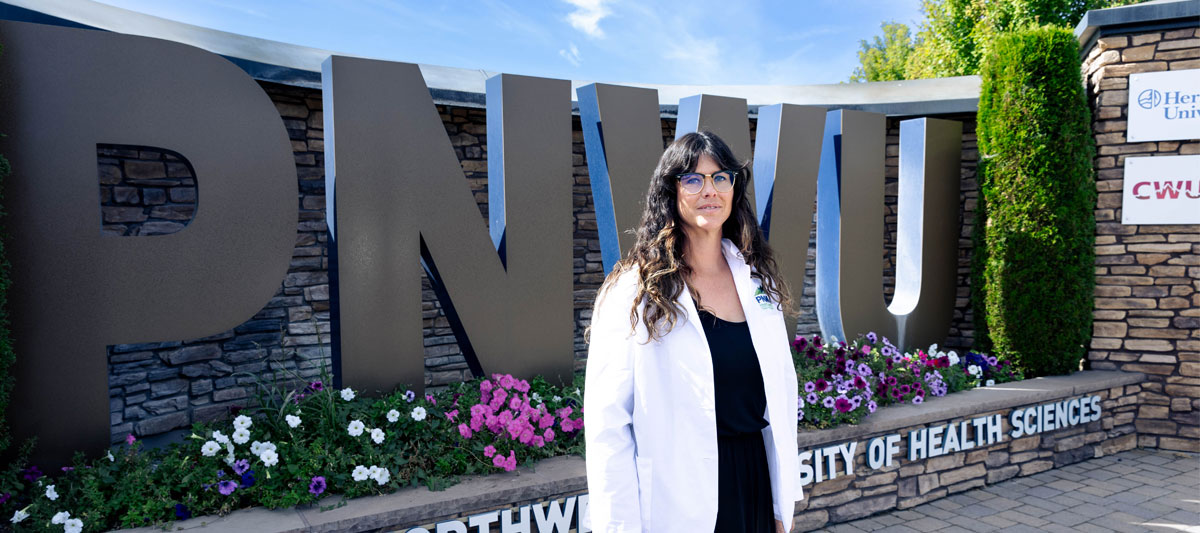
1037,195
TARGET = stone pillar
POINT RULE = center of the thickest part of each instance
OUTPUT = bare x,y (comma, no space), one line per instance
1147,300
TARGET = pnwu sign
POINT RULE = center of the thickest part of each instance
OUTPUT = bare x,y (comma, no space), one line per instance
398,201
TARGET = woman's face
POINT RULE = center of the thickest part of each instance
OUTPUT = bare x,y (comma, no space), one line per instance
708,209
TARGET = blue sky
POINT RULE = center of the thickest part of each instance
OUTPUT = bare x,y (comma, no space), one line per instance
661,42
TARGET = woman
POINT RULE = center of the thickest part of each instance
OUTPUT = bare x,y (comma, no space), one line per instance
690,404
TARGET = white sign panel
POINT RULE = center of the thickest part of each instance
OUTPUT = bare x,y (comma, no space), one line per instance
1162,190
1164,106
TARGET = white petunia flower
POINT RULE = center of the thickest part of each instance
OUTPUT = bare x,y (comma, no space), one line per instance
210,449
380,475
989,383
242,422
377,435
974,370
267,446
241,436
355,428
360,473
73,525
51,493
60,517
220,437
292,420
393,415
269,458
557,398
256,447
418,413
347,394
933,348
110,456
18,516
536,397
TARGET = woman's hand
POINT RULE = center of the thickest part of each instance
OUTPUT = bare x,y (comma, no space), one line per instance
779,527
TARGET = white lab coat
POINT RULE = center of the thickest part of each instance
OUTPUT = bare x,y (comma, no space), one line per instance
650,419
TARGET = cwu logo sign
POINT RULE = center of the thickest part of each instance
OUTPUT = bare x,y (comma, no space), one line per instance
1149,99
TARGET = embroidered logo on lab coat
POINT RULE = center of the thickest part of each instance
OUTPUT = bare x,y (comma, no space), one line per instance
761,297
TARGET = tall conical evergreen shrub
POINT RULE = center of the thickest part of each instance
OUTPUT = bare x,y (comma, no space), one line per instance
1037,199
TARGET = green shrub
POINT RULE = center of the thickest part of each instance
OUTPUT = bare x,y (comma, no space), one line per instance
1038,192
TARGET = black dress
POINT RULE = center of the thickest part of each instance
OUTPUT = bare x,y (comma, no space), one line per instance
743,480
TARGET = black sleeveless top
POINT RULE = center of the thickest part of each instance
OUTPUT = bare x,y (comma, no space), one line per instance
740,398
743,480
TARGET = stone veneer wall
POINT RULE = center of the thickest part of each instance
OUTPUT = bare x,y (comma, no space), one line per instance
908,484
1147,305
157,387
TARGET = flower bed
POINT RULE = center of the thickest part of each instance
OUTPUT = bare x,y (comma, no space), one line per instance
841,383
301,443
298,445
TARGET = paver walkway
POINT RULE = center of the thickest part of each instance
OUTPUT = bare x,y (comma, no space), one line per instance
1137,490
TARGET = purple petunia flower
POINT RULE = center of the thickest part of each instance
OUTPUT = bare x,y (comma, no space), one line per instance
317,486
918,399
4,498
843,405
182,512
812,397
871,338
227,487
872,406
32,473
316,386
821,385
864,369
809,387
409,396
992,360
248,479
849,366
905,389
241,466
827,402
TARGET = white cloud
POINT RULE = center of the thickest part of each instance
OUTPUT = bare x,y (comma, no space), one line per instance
587,16
571,55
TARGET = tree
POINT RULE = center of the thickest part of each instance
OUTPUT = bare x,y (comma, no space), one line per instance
956,34
885,58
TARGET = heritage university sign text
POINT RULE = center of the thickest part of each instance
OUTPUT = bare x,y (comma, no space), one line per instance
397,198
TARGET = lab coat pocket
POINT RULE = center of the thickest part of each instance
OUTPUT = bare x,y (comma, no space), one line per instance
644,483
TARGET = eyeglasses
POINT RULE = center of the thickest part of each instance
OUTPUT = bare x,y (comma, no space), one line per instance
693,182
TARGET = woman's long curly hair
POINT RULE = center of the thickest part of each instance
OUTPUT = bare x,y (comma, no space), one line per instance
657,256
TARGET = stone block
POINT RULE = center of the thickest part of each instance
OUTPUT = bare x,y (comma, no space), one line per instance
835,500
162,424
944,462
1183,445
1034,467
169,387
1000,474
1025,443
959,475
810,520
885,478
1137,53
192,354
1177,45
1156,427
862,508
168,405
1109,329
